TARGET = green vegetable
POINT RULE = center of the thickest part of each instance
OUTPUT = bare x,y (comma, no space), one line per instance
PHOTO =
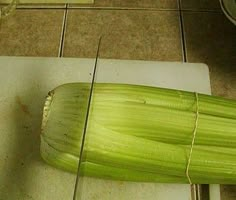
140,133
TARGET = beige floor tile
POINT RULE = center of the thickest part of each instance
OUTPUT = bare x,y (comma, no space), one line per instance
210,38
161,4
31,33
201,4
145,35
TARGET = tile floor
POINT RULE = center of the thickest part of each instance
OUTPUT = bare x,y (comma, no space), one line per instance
136,34
170,30
206,5
153,4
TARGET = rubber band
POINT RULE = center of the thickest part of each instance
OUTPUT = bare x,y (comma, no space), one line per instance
193,140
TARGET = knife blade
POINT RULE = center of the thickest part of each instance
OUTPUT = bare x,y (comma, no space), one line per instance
86,119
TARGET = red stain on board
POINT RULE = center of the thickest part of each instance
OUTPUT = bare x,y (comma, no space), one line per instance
24,108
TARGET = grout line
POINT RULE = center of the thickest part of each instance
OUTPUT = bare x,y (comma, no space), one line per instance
70,6
201,11
178,4
35,7
122,8
183,41
63,33
118,9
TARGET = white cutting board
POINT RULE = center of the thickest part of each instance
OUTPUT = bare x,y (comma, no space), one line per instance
24,83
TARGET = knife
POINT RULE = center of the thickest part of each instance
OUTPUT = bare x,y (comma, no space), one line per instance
86,120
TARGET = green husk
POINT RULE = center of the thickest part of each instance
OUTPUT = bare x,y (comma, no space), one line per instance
140,133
